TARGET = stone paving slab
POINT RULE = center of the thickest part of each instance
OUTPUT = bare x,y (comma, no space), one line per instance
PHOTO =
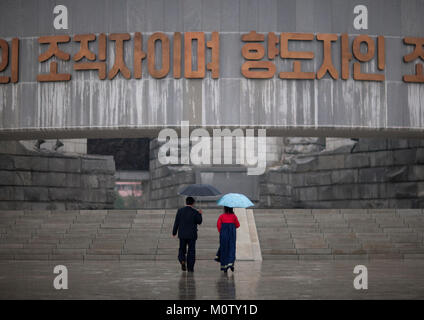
133,278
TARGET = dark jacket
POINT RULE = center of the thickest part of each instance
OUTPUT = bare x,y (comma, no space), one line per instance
186,223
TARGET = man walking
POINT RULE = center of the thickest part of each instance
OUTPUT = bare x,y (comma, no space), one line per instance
185,224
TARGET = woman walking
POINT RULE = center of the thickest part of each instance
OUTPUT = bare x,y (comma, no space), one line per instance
227,225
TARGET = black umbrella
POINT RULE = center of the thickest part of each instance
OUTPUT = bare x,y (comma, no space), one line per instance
199,190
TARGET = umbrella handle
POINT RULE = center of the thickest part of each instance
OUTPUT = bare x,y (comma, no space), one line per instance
199,206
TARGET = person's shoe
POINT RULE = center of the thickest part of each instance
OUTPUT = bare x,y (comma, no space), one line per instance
183,266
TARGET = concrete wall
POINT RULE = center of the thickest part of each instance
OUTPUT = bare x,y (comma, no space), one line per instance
161,189
88,107
371,173
376,173
55,181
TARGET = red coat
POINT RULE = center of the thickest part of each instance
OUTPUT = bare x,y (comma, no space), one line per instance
227,218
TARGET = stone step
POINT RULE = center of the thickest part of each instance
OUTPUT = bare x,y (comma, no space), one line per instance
146,234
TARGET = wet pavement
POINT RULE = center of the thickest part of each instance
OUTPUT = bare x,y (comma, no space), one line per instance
387,279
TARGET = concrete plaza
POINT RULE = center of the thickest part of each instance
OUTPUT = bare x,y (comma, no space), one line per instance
307,254
387,279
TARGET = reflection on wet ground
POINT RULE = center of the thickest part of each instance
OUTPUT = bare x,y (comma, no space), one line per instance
387,279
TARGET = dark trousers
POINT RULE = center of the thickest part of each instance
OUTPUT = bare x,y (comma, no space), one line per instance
187,255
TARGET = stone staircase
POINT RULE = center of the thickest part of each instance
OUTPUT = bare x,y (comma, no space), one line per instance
295,234
301,234
99,235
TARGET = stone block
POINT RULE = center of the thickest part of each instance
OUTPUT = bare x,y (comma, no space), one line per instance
344,176
416,173
407,156
22,178
36,194
331,162
402,190
368,175
306,163
339,192
73,180
397,143
397,174
95,195
274,177
38,163
89,181
65,194
356,160
369,191
97,166
49,179
106,181
306,194
63,164
419,157
7,162
381,158
11,193
298,179
318,178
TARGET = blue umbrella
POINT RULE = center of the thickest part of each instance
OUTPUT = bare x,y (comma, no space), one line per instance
235,200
